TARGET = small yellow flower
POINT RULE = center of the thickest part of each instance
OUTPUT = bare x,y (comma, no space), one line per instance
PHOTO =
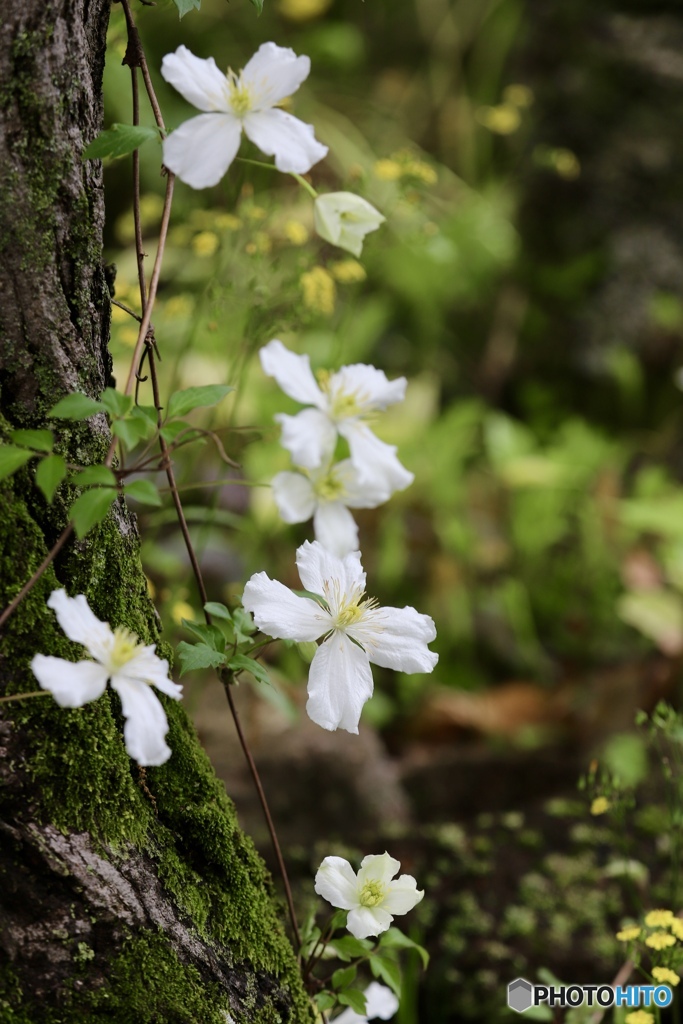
205,243
422,171
629,934
639,1017
178,305
348,271
665,976
181,610
659,918
319,291
303,10
501,120
296,232
387,170
600,805
260,246
518,95
660,940
255,213
676,927
227,222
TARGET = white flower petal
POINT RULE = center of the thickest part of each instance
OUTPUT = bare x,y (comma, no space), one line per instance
289,140
199,81
292,372
294,497
344,219
146,667
146,724
202,149
308,436
359,493
373,387
319,569
378,867
365,921
280,613
402,895
335,528
374,459
273,73
72,684
79,623
336,882
397,638
339,683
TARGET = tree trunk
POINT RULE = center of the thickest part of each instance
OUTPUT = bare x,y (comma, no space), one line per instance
125,894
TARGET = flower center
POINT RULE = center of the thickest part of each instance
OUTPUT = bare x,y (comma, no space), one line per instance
329,488
347,609
239,97
123,649
371,894
343,404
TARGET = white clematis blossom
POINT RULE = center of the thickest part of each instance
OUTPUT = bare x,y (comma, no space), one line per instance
380,1002
132,668
327,494
342,402
344,219
356,631
202,149
371,897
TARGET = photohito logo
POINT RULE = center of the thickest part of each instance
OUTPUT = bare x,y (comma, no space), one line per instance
522,995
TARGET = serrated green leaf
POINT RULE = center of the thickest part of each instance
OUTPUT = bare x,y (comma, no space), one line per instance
197,656
209,635
116,403
12,459
240,663
119,140
387,970
42,440
143,491
91,508
219,611
49,475
185,6
395,939
90,475
354,998
76,406
344,977
182,402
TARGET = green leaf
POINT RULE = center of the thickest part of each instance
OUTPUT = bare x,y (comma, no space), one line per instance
182,402
131,431
325,1001
209,635
120,139
143,491
12,459
91,508
196,656
395,939
344,977
347,948
258,4
95,475
354,998
244,621
240,663
115,403
184,6
49,475
76,406
42,440
170,431
219,611
387,970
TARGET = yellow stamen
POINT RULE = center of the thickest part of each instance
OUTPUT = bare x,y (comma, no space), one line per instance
123,649
240,99
371,894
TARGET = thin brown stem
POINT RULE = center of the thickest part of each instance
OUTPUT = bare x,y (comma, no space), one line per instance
126,309
24,696
47,561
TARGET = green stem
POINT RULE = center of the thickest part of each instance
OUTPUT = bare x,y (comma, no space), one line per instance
271,167
23,696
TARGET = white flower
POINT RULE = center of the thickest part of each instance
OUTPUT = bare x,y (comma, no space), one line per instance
380,1002
356,630
117,656
202,149
343,403
344,219
327,494
371,897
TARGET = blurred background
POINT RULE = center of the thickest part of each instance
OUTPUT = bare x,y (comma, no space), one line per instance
529,284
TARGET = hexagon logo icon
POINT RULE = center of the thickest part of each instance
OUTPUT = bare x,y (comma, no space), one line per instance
520,995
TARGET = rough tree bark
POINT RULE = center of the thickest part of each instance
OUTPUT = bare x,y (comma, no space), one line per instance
124,895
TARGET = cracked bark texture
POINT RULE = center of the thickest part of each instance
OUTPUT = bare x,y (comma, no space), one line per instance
125,895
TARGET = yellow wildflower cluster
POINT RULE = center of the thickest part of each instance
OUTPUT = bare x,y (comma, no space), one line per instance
348,271
600,805
659,918
404,165
303,10
227,222
660,940
503,119
639,1017
181,610
205,243
665,976
319,290
629,934
295,232
260,246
